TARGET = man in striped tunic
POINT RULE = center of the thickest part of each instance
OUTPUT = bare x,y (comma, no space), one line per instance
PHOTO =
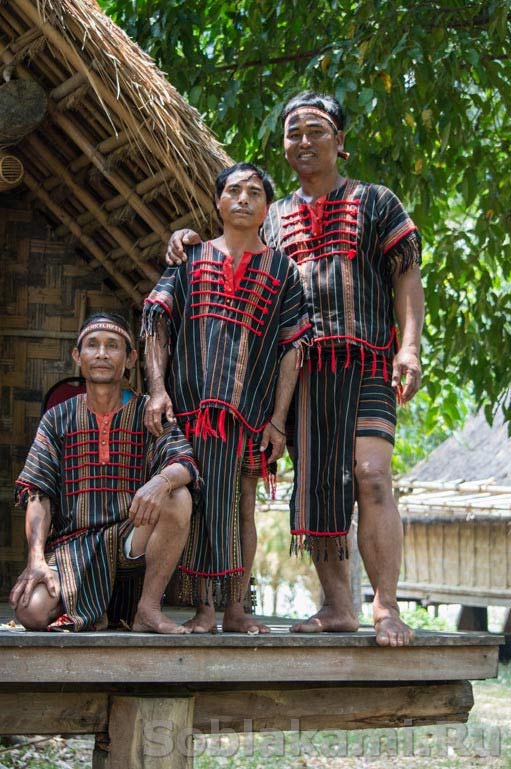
234,320
107,505
359,254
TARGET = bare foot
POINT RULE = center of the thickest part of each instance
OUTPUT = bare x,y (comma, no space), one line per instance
102,623
236,621
204,621
153,621
327,620
392,631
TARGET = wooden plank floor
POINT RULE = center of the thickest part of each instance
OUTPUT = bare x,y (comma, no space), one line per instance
213,659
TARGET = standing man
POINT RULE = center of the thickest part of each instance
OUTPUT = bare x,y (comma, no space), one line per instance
359,255
224,337
107,508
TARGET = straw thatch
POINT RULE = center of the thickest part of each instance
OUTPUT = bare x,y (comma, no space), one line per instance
467,476
120,159
477,452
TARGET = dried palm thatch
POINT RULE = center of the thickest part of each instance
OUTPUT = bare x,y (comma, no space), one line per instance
110,111
467,477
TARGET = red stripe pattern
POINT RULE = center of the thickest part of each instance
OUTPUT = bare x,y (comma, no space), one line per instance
90,467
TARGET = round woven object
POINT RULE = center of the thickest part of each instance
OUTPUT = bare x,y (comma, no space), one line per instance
11,172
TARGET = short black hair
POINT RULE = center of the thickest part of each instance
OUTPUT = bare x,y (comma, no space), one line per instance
113,317
328,104
222,177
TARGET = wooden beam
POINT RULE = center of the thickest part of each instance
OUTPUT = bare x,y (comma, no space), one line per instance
88,242
494,597
25,41
105,96
129,195
53,713
337,707
58,168
68,86
146,185
346,707
35,333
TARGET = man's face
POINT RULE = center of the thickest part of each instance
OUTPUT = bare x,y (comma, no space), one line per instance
311,144
242,204
103,357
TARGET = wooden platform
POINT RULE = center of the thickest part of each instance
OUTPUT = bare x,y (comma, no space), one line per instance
102,682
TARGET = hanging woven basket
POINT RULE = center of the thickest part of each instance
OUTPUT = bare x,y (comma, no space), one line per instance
11,172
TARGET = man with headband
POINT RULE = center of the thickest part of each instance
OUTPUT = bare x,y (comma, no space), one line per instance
107,505
358,253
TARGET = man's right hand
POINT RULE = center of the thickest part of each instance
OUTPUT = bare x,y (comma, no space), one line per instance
175,250
32,576
157,405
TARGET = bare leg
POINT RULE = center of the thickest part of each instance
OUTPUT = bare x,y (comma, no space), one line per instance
235,619
42,609
380,538
337,615
163,545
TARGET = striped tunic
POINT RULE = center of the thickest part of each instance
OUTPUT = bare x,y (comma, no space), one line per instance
228,331
348,245
90,466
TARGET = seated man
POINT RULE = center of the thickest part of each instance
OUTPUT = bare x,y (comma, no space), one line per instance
234,320
103,499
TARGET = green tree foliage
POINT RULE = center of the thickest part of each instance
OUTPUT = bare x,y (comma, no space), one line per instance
426,86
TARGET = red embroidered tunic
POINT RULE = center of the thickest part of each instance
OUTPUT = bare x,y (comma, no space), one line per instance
228,331
347,245
90,467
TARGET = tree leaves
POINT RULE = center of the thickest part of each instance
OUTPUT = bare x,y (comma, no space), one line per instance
426,87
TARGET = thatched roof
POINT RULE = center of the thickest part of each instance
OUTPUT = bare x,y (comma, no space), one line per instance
476,452
121,159
468,476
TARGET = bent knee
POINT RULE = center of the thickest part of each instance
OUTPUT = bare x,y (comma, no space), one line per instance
179,510
32,618
373,481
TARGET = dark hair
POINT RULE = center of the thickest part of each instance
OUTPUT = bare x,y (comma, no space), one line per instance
222,177
328,104
113,317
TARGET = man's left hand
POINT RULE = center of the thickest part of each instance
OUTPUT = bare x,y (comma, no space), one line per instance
406,364
147,503
277,440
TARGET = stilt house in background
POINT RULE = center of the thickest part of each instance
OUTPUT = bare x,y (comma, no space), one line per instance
456,509
100,159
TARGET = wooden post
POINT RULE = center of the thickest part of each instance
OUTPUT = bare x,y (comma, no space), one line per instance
473,618
150,733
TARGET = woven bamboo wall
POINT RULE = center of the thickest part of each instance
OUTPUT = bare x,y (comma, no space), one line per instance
46,288
467,561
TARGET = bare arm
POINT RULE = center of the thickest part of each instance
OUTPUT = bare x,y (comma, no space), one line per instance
37,528
149,499
409,309
176,253
156,360
275,430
